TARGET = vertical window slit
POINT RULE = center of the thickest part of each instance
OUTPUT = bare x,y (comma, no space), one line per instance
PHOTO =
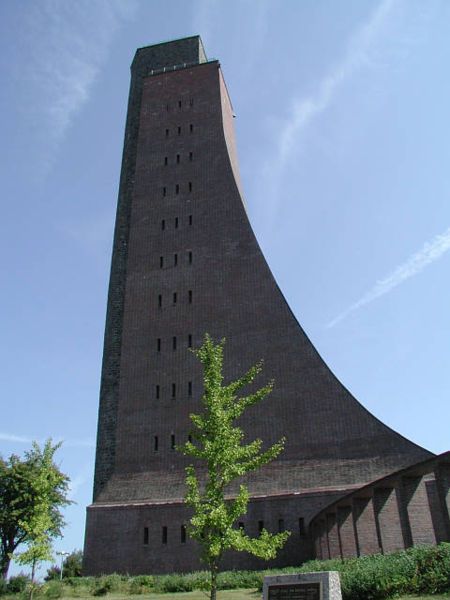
191,128
174,343
167,133
189,388
183,534
175,260
179,130
145,536
157,392
190,257
161,262
174,390
260,526
158,345
155,443
164,191
190,219
176,222
177,188
172,441
190,340
301,526
160,300
164,534
190,296
191,156
174,297
163,224
280,525
166,161
178,159
190,186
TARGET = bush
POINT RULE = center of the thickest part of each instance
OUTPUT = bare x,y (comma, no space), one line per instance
17,583
3,587
53,590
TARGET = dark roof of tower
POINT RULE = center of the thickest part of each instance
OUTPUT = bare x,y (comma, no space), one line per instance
184,51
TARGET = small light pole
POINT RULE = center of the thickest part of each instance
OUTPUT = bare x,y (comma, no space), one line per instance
62,554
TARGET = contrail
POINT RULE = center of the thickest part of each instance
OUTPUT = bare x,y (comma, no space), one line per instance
416,263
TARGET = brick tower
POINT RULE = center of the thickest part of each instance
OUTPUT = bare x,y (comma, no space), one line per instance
185,262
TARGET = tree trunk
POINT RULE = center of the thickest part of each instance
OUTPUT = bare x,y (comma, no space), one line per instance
214,571
33,572
4,566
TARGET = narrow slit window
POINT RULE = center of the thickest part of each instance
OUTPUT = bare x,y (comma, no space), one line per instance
178,159
174,298
183,534
160,300
241,525
189,388
190,219
163,224
174,390
175,260
191,156
172,442
177,188
260,526
280,525
161,262
166,161
167,133
164,191
179,103
190,341
157,390
145,536
164,534
301,526
190,296
158,345
174,343
190,257
191,128
155,443
190,438
176,222
179,130
190,186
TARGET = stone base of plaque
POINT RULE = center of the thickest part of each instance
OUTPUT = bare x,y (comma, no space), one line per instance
322,585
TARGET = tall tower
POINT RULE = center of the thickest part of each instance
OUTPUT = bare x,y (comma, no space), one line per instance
185,262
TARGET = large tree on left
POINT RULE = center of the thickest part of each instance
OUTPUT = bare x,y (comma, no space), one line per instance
32,492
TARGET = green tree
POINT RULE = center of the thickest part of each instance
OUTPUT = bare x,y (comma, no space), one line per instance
32,492
223,458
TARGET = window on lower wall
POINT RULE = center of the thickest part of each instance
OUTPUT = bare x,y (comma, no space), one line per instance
160,300
183,534
172,441
157,392
241,525
301,526
280,525
189,388
164,535
155,443
146,536
260,526
190,296
158,345
189,341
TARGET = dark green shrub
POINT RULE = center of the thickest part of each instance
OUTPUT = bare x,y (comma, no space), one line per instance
17,583
53,590
3,587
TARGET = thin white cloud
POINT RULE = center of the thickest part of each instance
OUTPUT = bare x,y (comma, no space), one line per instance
305,110
63,46
429,253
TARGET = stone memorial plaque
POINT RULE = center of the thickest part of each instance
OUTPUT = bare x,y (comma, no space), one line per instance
321,585
296,591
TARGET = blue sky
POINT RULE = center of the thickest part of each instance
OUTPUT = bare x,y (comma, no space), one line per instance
343,136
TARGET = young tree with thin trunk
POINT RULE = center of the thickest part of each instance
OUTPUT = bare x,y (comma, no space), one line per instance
32,491
219,451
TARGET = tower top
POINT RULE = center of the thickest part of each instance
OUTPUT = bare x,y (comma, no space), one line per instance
167,55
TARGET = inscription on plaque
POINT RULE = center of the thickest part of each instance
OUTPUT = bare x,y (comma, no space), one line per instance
295,591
